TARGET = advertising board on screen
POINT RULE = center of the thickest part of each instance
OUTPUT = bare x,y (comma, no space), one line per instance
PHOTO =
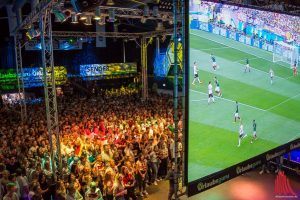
243,104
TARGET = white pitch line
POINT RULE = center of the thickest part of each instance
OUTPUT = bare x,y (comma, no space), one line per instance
237,61
216,48
232,101
200,100
283,102
236,48
252,68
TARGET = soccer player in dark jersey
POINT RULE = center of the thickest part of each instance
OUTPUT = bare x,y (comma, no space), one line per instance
217,89
247,66
254,137
214,62
236,115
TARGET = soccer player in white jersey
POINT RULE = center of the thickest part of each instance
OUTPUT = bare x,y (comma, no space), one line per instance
242,134
196,76
210,93
271,72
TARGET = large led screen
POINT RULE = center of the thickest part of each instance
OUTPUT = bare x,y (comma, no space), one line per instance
244,90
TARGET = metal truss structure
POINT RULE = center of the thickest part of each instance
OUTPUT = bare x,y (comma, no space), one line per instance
112,34
50,89
20,81
35,15
178,14
132,13
144,68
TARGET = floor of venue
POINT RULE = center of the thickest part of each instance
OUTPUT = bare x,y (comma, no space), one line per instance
247,187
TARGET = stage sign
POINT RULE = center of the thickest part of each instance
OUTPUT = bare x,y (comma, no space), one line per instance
32,77
107,69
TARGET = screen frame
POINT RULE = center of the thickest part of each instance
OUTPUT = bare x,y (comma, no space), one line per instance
217,178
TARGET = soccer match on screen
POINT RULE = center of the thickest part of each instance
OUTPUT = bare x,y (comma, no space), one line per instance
244,88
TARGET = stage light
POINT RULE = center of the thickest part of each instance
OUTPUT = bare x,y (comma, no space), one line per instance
88,20
101,22
143,20
160,26
155,11
110,3
146,11
59,16
111,15
83,17
97,14
74,18
171,21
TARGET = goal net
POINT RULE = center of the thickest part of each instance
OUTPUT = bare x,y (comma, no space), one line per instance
285,53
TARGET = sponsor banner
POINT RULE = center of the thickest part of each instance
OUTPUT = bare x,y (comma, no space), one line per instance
232,35
248,40
204,27
223,32
216,30
242,39
256,43
220,177
107,69
32,77
264,46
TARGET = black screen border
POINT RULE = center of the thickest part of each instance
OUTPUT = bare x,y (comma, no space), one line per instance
217,178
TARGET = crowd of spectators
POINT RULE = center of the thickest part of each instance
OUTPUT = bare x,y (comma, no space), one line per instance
113,146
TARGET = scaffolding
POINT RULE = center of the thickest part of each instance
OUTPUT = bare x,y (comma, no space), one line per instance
50,89
20,81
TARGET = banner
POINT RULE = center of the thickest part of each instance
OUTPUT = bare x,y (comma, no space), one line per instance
32,77
107,69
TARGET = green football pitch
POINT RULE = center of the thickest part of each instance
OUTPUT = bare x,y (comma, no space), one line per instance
213,136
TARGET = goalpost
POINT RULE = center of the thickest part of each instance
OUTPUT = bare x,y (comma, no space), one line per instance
285,53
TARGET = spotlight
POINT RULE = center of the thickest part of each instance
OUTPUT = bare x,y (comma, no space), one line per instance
179,37
101,22
143,20
59,16
74,18
171,21
88,20
111,15
160,26
146,12
110,3
97,14
155,11
83,17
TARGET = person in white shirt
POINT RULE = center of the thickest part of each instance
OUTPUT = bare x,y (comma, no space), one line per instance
242,134
210,93
196,76
271,72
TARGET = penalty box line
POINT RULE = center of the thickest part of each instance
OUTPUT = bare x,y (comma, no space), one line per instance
283,102
236,48
229,100
252,68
